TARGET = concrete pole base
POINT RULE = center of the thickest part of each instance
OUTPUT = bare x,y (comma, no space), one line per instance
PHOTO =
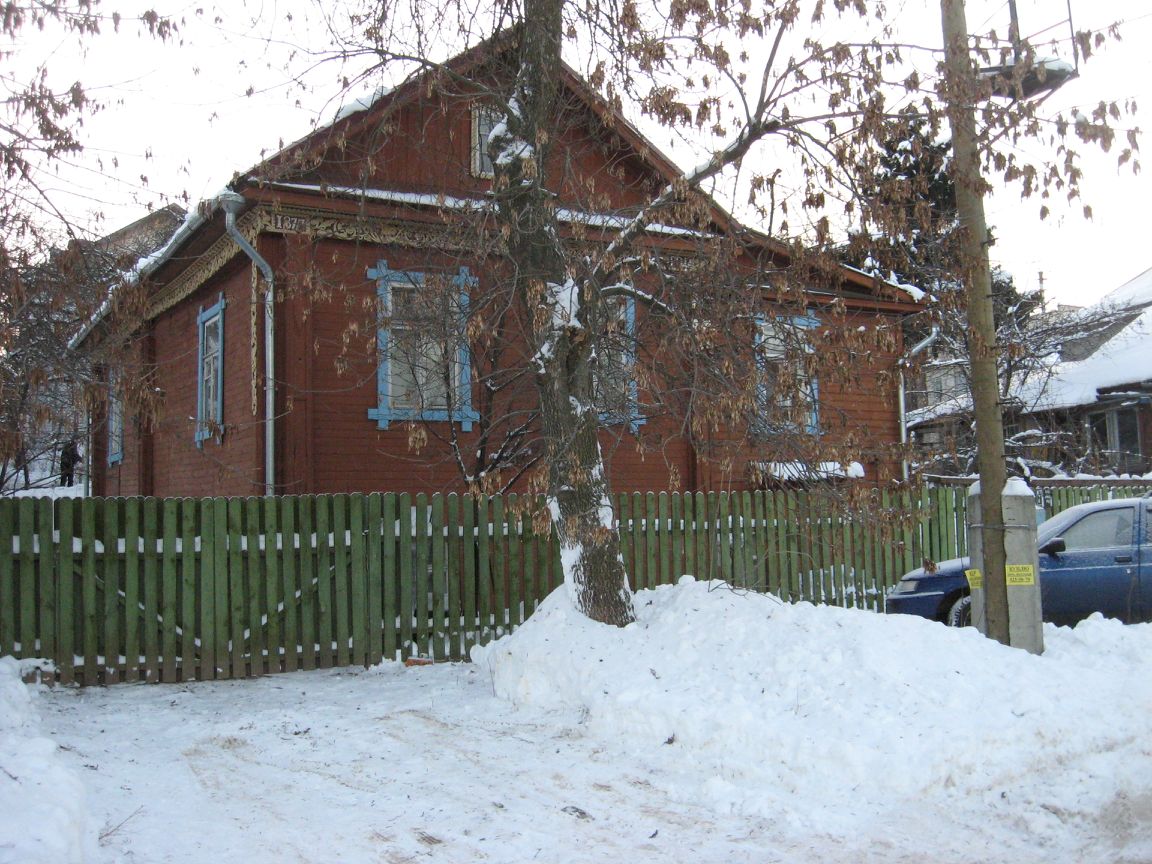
1022,566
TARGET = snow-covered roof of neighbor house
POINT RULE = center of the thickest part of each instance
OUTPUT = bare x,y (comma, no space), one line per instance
952,406
145,265
1123,359
794,471
1135,292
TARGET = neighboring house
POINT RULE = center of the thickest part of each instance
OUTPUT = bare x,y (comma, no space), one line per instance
1090,412
1101,393
368,384
939,404
44,383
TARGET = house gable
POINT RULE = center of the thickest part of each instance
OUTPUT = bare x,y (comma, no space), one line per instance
420,139
368,175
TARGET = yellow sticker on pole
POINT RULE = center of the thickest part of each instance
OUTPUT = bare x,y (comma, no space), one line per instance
1020,575
975,579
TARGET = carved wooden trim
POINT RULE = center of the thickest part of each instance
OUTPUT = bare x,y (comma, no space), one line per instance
336,226
306,222
253,330
201,270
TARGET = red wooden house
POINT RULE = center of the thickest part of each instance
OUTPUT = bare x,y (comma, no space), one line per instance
275,369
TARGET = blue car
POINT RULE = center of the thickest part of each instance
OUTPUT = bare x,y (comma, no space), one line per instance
1093,558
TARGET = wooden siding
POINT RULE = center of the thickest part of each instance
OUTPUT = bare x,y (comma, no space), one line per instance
330,444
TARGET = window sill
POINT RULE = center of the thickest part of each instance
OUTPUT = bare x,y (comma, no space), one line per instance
765,431
217,436
385,417
634,421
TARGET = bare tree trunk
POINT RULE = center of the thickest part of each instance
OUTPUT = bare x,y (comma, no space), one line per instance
581,506
961,83
564,327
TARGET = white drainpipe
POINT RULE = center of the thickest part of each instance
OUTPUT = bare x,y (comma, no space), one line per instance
232,203
916,349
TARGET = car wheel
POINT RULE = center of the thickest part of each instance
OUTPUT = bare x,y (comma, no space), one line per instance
960,615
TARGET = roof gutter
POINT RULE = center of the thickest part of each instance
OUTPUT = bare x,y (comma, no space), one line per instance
919,347
232,203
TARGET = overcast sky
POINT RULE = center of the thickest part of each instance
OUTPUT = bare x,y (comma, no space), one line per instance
181,115
1081,259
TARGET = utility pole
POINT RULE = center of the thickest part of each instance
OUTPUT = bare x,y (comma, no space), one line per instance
960,92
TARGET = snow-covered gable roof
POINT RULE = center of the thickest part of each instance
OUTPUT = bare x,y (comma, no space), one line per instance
361,113
958,405
364,113
144,265
1125,359
1132,294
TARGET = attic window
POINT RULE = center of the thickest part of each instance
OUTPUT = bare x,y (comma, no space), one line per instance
483,121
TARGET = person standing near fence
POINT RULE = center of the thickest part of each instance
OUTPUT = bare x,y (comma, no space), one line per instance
69,459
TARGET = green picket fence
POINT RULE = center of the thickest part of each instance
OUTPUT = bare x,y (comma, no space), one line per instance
1057,495
1052,495
175,589
798,545
180,589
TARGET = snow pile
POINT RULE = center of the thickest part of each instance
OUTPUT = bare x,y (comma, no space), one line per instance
822,716
722,727
43,810
362,103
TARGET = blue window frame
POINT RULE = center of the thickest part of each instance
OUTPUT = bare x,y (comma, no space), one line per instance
210,371
424,368
115,420
617,393
787,393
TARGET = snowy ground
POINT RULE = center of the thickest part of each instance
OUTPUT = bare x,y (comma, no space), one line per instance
723,727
